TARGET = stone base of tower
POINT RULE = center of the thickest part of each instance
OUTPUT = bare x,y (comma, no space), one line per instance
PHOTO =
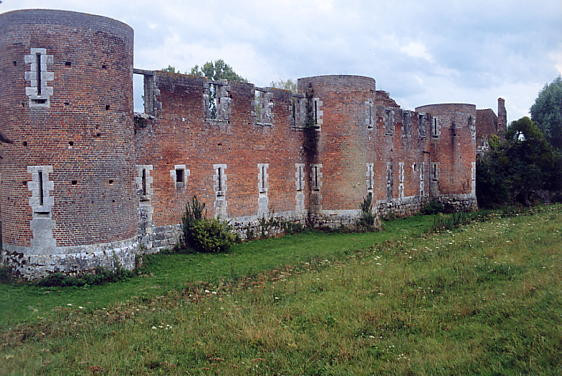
459,202
25,262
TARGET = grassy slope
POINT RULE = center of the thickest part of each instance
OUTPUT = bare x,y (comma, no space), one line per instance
482,300
25,303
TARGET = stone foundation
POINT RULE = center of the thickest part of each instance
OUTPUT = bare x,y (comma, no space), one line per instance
70,260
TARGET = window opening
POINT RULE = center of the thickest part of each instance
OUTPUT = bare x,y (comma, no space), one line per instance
434,171
144,182
219,173
316,178
213,101
41,194
262,179
434,128
294,112
315,112
300,179
179,175
370,171
38,62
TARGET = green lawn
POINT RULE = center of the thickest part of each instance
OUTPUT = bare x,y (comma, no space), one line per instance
484,299
25,303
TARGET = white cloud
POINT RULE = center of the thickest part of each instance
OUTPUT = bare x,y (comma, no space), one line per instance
417,50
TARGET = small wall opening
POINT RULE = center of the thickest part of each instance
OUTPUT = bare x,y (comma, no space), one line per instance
41,189
143,182
220,182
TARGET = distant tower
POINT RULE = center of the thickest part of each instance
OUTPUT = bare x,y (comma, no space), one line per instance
342,110
453,153
67,195
502,117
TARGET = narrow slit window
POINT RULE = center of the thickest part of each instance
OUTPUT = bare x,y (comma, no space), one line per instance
262,190
41,193
38,63
315,177
370,172
219,178
434,128
294,112
315,112
300,178
143,182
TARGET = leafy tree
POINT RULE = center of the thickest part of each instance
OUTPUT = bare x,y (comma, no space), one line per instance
547,112
286,85
171,69
217,70
519,168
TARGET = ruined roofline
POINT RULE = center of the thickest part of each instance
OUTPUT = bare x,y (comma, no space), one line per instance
447,104
147,72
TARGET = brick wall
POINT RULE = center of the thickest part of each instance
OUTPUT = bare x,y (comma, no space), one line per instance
453,148
182,134
85,178
84,132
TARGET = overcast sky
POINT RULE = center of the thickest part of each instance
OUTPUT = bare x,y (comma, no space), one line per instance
420,51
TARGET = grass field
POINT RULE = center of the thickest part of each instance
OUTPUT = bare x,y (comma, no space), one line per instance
481,300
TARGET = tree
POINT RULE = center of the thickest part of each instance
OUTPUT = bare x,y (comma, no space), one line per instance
170,69
217,70
547,112
518,169
286,85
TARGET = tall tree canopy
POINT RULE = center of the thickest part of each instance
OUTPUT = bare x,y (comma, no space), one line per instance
518,169
213,70
285,84
547,112
217,70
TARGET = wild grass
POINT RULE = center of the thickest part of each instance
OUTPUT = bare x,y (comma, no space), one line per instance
171,271
483,299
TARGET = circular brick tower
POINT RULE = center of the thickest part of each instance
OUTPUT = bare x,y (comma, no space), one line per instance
453,153
341,108
67,199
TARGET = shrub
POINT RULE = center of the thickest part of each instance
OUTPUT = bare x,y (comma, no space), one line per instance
194,212
202,234
212,236
292,227
5,274
367,220
101,275
433,207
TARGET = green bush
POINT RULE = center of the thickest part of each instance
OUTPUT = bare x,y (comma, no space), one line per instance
367,220
5,274
433,207
202,234
194,212
101,275
212,236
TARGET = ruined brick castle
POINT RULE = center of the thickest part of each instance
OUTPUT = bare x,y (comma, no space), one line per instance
86,182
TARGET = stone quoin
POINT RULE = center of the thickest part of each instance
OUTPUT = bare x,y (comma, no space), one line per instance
86,182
